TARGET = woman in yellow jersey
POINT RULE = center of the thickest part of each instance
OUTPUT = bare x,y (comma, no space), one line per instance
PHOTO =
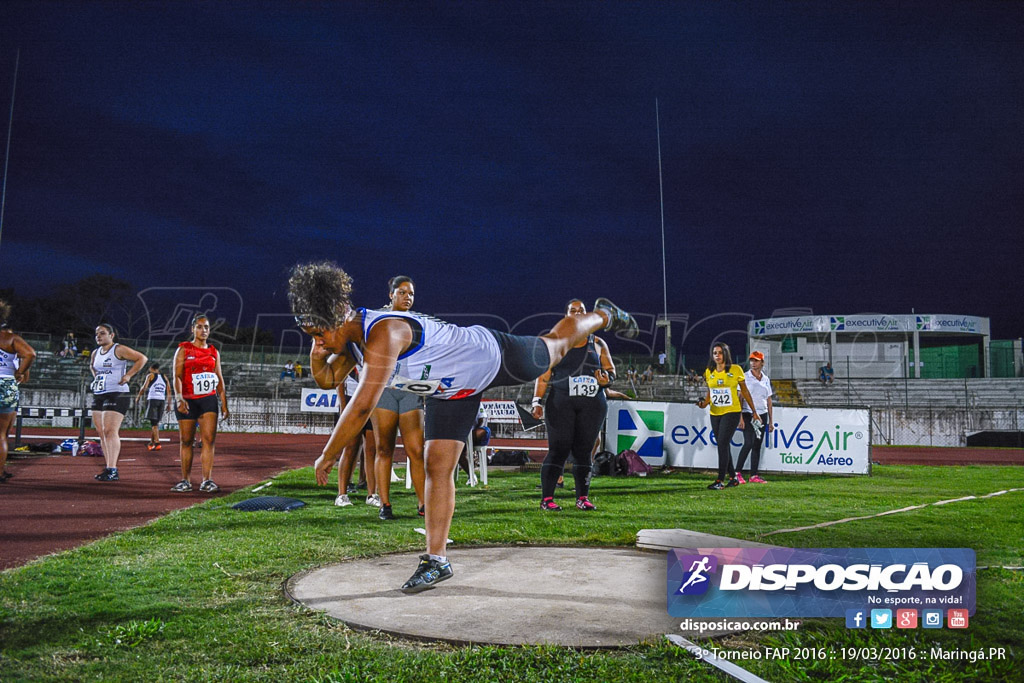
725,386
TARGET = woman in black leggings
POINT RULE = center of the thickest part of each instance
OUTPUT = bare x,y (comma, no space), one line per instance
575,411
726,383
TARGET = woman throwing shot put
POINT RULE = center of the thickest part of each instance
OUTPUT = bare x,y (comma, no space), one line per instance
198,380
574,413
725,384
113,365
448,365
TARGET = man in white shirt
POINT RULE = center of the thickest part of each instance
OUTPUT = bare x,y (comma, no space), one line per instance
760,388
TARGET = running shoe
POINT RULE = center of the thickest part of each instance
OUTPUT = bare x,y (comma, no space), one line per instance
150,446
740,479
373,500
157,447
582,503
183,486
342,501
549,504
427,575
756,479
108,474
618,319
421,511
5,476
732,482
208,486
385,513
717,486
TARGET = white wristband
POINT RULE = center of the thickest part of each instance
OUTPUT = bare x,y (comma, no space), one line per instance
536,401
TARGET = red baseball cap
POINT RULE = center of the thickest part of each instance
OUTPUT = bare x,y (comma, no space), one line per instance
757,355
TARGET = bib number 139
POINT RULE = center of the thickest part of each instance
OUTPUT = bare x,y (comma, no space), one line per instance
204,383
584,385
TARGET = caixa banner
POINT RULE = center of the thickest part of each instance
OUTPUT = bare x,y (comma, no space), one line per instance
319,401
823,440
817,582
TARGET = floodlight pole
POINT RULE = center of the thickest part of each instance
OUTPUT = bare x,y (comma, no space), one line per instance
664,269
7,153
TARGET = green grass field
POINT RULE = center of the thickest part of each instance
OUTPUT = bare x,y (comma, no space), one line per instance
197,595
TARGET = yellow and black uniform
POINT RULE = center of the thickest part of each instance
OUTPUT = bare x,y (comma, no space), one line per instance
724,386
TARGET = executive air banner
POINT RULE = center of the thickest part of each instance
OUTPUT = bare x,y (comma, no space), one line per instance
822,440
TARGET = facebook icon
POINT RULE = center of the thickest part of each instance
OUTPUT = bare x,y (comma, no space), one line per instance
855,618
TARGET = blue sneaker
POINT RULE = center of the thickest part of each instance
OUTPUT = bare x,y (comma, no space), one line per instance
618,319
427,575
108,474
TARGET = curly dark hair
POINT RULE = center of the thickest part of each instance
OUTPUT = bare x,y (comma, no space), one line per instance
320,294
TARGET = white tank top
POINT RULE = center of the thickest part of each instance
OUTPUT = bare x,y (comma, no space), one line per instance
158,389
8,363
446,361
109,371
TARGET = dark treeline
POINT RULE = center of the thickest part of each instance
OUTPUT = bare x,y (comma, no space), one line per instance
78,307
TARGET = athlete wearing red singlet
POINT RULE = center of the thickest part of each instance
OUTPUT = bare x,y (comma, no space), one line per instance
199,362
198,380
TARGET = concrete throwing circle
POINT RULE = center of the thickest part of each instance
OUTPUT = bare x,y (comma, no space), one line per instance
574,597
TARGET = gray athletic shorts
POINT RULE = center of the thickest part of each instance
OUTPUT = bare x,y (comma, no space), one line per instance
398,401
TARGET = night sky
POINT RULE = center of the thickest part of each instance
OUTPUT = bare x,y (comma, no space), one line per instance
826,157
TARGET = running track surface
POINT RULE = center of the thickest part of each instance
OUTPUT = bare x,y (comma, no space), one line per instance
53,503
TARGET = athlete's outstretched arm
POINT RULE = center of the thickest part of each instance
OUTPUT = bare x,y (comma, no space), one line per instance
386,342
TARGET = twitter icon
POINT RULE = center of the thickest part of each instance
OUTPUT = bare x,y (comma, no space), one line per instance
881,618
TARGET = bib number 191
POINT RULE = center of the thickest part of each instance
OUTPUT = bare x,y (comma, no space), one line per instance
204,383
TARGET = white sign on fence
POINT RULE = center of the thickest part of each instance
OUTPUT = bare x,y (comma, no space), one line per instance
501,412
319,401
825,440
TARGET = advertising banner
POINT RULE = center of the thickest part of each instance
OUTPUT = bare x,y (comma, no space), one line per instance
821,440
501,412
819,582
319,401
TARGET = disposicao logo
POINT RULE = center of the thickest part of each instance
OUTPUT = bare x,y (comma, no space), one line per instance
642,431
695,580
837,323
758,327
817,582
924,322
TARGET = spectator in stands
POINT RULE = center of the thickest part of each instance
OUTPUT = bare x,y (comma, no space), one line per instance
760,388
826,375
726,383
289,370
156,401
16,357
69,346
299,370
113,365
648,376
